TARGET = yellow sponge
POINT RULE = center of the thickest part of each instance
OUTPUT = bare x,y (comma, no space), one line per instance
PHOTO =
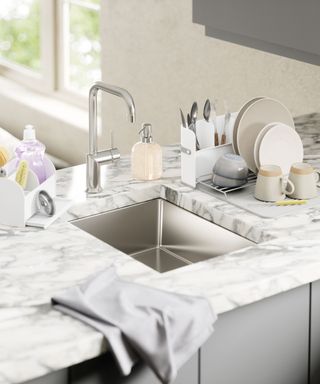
4,156
282,203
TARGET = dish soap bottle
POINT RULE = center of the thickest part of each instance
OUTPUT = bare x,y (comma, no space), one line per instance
146,156
31,150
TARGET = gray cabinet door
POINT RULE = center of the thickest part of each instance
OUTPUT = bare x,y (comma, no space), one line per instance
287,27
103,370
315,334
262,343
57,377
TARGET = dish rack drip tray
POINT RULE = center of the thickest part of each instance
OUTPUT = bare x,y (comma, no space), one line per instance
205,184
243,197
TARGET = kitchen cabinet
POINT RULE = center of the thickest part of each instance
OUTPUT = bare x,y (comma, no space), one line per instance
261,343
103,370
274,340
315,333
288,27
57,377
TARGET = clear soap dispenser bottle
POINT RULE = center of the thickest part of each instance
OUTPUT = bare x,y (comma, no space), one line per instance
146,156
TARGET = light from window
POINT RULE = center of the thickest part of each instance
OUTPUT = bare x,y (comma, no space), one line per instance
58,40
20,32
82,44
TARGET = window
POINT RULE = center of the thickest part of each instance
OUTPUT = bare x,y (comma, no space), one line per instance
81,40
51,45
20,28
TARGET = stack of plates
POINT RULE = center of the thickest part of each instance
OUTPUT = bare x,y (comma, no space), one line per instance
278,144
259,140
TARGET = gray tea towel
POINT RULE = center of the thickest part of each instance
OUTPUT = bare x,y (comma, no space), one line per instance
163,329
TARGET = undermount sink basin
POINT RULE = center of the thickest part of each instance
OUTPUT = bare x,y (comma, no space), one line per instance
161,235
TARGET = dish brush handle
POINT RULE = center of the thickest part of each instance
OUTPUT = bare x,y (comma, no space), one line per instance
216,139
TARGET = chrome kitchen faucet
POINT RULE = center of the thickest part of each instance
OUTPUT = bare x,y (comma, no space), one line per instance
97,158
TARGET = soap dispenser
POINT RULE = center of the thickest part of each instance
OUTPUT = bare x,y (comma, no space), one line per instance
146,156
32,150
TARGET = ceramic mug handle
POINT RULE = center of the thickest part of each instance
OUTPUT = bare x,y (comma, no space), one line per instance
289,192
316,175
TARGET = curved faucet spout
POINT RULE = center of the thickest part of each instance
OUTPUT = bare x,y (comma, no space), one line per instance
95,158
93,93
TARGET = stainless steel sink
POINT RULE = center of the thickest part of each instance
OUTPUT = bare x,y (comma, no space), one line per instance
161,235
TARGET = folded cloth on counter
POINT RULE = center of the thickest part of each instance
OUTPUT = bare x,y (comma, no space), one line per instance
163,329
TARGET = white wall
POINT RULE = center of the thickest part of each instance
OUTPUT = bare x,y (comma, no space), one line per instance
152,48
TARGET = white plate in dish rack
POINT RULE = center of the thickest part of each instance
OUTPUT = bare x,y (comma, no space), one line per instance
236,123
254,119
258,142
281,145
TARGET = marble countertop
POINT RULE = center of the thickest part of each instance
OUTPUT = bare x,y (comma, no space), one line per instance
36,264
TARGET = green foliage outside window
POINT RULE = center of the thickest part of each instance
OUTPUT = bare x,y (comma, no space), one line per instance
20,33
20,39
84,47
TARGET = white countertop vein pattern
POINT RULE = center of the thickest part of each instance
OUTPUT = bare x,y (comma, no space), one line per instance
36,264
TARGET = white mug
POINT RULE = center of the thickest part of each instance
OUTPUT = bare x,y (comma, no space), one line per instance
305,179
271,185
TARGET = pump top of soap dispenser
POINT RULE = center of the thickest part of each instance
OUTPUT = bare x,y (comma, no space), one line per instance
146,133
29,132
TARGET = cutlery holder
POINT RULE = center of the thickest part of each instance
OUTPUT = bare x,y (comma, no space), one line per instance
196,164
18,205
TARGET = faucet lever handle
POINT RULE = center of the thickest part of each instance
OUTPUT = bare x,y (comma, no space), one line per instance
115,153
107,156
112,139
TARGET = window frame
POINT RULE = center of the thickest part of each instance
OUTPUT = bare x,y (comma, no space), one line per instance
51,79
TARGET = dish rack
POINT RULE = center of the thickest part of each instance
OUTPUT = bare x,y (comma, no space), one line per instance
196,166
205,185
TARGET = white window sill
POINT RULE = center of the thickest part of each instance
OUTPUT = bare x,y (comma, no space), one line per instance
62,127
68,113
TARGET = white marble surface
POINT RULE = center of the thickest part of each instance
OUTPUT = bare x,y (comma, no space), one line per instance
35,264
